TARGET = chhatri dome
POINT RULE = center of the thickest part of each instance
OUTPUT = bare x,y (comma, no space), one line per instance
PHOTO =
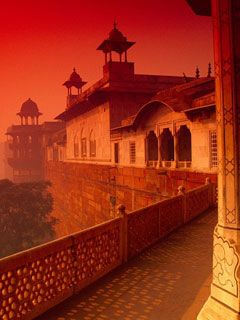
116,35
29,109
74,80
116,42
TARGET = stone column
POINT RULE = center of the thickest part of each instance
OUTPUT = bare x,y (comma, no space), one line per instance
224,301
175,139
146,151
159,152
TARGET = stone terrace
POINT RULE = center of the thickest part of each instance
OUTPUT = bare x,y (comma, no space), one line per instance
36,280
169,281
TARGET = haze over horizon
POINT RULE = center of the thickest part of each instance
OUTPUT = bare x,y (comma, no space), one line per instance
43,40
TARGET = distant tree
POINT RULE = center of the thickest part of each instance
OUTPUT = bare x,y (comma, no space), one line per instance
25,219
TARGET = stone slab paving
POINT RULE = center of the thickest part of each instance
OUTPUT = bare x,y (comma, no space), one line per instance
169,281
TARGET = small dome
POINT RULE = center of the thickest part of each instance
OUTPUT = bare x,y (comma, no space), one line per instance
29,108
74,81
75,77
116,35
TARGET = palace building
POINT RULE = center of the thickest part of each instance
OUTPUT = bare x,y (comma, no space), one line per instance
130,138
170,137
137,120
27,142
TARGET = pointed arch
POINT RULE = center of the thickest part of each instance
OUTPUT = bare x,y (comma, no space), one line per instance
152,146
92,144
76,145
167,145
83,143
184,144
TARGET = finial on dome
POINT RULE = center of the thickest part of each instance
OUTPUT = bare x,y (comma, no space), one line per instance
185,77
116,42
197,73
209,70
74,81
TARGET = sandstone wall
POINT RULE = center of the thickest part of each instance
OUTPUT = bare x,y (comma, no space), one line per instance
87,194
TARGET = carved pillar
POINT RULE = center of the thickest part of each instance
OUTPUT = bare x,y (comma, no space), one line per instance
175,139
159,151
146,151
224,301
126,59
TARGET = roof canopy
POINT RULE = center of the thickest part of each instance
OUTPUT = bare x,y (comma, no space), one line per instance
200,7
74,80
29,109
116,42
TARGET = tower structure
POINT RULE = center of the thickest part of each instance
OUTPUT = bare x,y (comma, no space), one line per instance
25,143
74,81
116,42
29,111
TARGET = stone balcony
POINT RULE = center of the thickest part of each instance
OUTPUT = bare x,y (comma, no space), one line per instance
38,279
169,281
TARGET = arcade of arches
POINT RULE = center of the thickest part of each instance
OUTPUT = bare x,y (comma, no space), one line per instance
168,149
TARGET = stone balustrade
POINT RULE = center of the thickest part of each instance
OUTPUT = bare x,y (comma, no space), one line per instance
35,280
148,225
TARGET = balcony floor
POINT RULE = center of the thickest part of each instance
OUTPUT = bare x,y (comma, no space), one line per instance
169,281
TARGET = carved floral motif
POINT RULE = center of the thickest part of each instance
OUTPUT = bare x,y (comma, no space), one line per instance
225,264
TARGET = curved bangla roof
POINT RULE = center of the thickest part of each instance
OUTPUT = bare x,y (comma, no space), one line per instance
29,108
187,97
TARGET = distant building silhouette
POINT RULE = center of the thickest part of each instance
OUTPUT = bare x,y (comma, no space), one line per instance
27,143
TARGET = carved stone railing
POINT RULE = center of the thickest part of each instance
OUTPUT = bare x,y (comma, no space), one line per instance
146,226
167,164
184,164
197,201
35,280
152,163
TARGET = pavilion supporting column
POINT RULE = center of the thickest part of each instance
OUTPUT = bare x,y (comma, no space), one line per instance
175,141
159,164
224,301
146,152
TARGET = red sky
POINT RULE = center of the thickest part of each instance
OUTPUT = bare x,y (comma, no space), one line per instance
41,41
